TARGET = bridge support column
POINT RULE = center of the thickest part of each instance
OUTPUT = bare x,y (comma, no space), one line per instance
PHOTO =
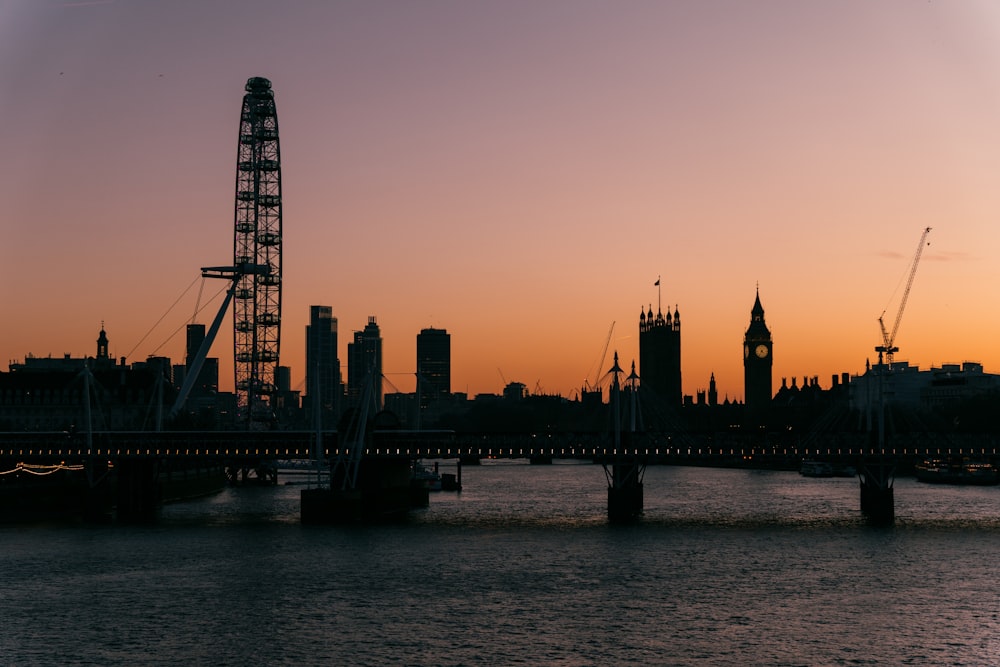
452,482
138,489
382,490
624,490
877,502
97,500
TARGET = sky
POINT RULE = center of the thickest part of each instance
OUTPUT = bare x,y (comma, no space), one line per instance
519,173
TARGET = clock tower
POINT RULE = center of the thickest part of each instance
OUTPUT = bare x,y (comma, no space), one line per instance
757,360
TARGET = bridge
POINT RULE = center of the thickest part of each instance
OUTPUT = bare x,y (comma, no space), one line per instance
48,447
136,456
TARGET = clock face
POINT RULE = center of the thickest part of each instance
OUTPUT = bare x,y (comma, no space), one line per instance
761,351
746,351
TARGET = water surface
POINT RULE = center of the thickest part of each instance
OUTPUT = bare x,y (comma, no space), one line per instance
725,567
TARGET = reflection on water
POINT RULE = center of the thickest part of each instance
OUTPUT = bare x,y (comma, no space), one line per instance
726,566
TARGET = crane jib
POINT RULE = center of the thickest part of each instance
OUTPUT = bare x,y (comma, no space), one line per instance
889,338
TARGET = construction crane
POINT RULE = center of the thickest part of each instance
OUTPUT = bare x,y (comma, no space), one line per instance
888,347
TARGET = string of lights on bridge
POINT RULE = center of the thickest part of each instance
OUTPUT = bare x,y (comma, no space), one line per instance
41,470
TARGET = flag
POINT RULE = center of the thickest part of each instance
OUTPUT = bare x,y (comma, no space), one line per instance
657,283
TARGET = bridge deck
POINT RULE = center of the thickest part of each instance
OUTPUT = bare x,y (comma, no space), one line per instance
30,447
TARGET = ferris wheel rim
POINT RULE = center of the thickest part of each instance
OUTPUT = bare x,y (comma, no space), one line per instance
257,242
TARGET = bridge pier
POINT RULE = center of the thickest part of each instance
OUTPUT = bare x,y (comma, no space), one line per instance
877,501
453,482
97,498
624,490
138,492
383,489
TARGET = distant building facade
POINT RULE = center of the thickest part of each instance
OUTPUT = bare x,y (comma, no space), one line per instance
202,403
433,366
364,356
660,354
286,401
207,384
77,394
903,384
758,360
323,384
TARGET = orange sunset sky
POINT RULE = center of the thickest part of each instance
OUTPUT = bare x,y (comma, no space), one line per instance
517,172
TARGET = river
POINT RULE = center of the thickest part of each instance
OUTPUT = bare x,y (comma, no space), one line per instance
725,567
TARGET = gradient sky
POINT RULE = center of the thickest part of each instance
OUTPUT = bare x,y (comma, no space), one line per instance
519,173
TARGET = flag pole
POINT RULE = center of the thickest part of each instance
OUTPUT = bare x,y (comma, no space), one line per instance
658,288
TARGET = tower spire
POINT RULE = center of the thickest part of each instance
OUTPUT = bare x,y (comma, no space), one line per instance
102,343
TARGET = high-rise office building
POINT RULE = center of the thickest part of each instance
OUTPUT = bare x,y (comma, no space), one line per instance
433,366
195,337
207,383
323,386
364,357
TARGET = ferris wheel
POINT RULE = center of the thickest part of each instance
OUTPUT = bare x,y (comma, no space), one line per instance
257,255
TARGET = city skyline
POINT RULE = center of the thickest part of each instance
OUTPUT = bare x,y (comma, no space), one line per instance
517,174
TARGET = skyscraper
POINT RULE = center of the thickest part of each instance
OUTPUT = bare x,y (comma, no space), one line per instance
757,360
364,356
195,337
660,354
433,366
322,368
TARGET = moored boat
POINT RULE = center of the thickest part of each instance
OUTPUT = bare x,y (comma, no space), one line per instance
426,478
816,469
957,471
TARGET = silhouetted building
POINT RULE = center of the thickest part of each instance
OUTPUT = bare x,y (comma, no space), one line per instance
77,394
515,391
903,384
195,337
592,398
713,392
102,345
285,400
757,360
433,366
794,395
660,354
207,383
201,408
364,356
323,385
403,407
